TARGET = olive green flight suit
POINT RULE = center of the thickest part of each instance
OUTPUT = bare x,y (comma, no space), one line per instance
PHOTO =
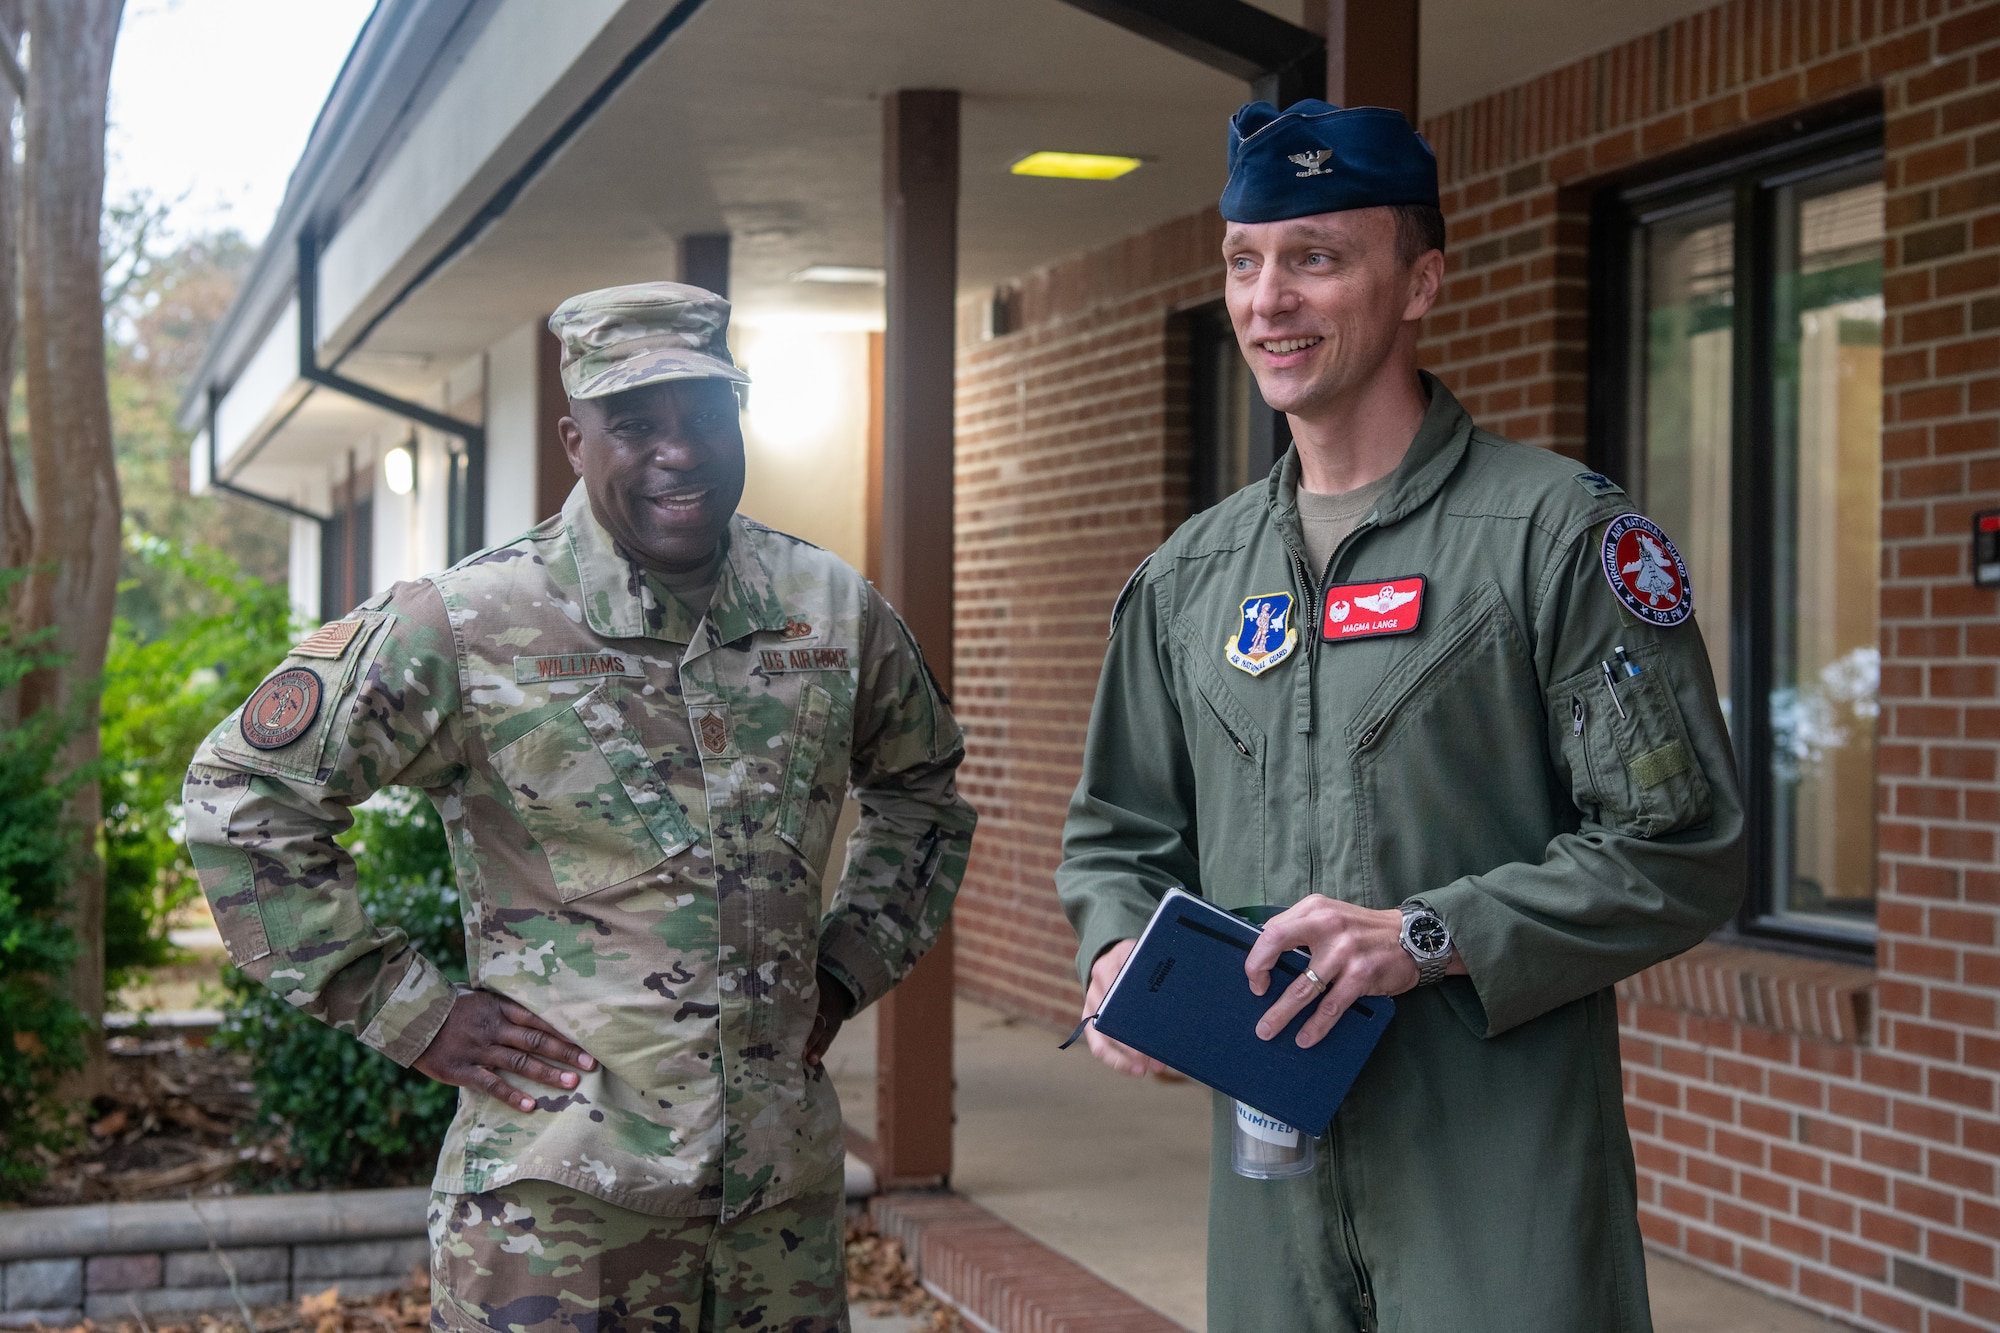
1478,1178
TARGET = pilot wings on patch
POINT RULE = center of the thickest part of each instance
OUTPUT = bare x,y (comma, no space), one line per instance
1362,610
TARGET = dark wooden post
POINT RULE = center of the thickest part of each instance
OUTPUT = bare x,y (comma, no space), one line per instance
920,213
705,261
1371,52
553,478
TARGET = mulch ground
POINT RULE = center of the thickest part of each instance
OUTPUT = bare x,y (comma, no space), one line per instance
165,1128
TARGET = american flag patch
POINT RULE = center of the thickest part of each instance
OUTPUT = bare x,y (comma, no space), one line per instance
329,640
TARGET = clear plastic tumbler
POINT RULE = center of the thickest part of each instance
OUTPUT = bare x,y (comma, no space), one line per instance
1268,1149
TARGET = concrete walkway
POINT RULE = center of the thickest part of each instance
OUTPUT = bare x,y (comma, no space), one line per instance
1113,1172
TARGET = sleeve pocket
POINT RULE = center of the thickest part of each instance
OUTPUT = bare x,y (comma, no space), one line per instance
797,824
1632,767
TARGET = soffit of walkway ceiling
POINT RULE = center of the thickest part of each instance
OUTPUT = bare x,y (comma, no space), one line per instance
762,118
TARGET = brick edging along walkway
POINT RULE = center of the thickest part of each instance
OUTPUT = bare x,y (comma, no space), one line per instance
1002,1279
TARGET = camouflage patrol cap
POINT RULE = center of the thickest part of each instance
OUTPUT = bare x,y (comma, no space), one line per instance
619,338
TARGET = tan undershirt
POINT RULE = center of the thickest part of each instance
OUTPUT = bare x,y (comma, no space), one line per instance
1325,520
694,588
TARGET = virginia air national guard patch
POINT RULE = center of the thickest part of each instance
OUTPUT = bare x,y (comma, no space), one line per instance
1265,637
282,708
1646,572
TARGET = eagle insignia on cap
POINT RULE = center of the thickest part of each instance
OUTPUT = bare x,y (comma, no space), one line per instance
1311,162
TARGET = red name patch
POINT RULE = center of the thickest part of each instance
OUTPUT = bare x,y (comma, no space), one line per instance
1362,610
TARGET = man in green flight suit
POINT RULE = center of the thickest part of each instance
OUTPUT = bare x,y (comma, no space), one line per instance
638,722
1440,697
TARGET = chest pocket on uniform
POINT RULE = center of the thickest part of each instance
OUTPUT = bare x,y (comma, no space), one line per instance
1630,758
583,786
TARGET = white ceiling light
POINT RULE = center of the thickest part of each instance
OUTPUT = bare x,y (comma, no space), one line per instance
852,274
399,470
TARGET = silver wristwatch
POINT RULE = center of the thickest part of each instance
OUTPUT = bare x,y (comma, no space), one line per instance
1427,940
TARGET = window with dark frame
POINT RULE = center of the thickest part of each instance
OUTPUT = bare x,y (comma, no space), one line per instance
1737,396
1233,437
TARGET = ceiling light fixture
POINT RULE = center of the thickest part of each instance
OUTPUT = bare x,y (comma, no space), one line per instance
852,274
399,470
1076,166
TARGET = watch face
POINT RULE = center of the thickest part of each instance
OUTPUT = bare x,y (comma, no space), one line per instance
1427,935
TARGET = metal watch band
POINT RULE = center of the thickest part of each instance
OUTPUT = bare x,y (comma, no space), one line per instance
1433,970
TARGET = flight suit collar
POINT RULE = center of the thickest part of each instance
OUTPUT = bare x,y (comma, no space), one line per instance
621,602
1434,453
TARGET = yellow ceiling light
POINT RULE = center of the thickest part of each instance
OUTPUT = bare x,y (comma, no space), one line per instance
1076,166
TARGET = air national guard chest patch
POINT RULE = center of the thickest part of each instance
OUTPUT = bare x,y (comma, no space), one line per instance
1364,610
282,708
1646,572
1265,636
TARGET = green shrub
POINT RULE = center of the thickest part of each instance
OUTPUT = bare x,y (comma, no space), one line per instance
222,632
354,1117
41,1032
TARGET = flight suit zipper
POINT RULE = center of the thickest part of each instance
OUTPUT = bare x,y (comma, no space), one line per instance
1443,655
1349,1241
1227,730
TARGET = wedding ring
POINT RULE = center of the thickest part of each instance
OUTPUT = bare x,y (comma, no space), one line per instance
1313,977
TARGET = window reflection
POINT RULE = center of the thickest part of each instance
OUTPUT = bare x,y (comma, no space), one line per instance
1812,536
1827,474
1691,293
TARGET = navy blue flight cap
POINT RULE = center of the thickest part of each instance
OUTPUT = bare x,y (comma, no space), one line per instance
1317,158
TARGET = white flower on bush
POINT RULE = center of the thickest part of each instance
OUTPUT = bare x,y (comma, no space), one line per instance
1809,723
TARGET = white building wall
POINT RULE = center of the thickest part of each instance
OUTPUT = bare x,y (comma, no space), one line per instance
518,59
430,542
391,555
511,435
302,570
806,434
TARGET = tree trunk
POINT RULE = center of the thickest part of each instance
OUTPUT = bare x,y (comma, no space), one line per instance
17,537
69,413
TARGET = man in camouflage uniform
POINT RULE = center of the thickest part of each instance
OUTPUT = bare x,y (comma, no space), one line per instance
638,722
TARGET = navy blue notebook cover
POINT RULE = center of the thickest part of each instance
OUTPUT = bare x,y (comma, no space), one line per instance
1182,998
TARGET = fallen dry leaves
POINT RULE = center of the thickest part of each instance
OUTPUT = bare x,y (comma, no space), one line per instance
880,1278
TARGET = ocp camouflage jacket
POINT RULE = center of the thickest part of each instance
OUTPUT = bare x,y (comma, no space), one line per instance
640,808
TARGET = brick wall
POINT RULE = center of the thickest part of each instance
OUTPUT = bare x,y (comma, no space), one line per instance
1071,469
1827,1132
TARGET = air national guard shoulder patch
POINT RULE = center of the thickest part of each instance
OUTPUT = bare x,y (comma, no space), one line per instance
282,708
1265,636
1646,572
1365,610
